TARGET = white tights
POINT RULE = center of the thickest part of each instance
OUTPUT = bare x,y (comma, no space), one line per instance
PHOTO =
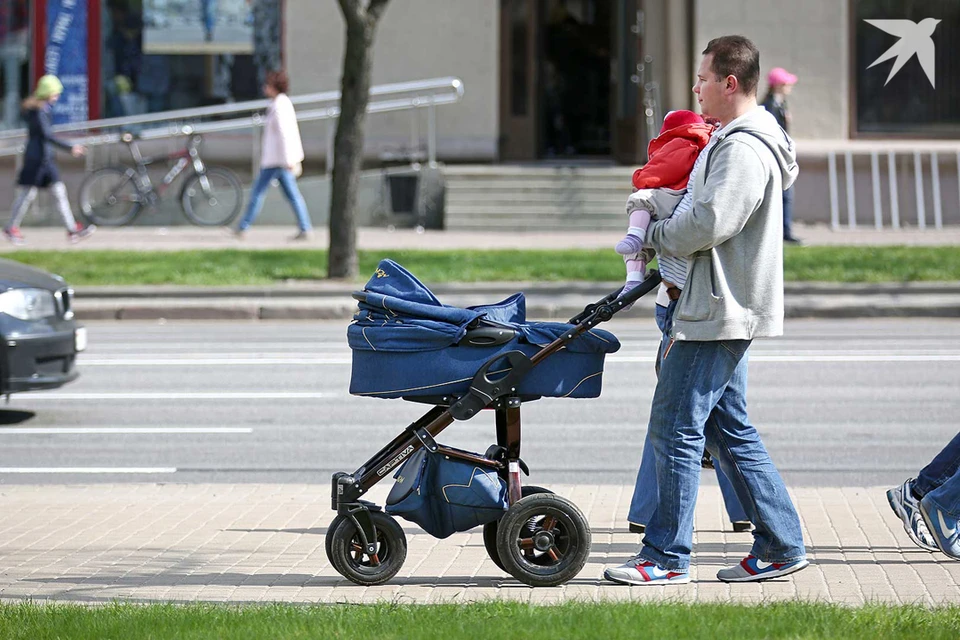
26,196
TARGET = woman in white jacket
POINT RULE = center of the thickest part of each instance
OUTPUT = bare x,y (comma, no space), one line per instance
281,157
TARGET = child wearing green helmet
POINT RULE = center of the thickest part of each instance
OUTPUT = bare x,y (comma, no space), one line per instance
39,169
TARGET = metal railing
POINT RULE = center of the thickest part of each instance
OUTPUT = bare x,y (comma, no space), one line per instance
401,96
921,154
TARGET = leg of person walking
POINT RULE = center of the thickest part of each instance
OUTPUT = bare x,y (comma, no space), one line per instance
21,204
905,498
943,467
738,517
289,185
941,511
693,376
788,217
257,193
644,499
778,539
75,232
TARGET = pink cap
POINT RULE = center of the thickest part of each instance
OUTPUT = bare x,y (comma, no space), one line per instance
779,75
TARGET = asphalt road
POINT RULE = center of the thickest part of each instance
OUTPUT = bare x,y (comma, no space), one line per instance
845,402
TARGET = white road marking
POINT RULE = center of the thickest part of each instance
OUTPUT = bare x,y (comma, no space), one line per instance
21,431
206,362
88,470
836,357
848,356
183,395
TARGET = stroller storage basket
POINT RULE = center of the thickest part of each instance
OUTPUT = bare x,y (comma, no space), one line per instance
445,495
405,343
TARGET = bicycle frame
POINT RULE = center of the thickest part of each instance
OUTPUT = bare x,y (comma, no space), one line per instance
187,156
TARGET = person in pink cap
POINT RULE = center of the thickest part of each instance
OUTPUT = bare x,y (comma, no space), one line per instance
781,83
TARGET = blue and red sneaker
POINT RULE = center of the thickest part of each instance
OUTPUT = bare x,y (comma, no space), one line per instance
751,569
641,571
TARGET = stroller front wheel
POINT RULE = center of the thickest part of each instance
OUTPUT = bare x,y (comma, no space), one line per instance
543,540
346,552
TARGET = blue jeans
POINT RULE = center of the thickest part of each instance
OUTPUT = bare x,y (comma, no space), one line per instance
788,213
645,494
259,191
700,400
939,481
208,11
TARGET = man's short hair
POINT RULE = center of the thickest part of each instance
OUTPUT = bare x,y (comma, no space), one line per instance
736,56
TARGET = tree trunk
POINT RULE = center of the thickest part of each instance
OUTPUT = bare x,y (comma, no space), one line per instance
361,24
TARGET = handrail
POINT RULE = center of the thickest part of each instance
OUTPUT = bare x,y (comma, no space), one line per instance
396,88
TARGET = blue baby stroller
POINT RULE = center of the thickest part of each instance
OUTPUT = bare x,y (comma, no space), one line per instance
408,345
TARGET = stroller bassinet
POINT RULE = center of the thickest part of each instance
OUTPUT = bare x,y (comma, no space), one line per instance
407,344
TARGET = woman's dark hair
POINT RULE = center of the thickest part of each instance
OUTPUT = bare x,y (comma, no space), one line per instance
736,56
278,80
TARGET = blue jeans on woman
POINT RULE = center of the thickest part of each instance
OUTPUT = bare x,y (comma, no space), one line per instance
259,191
700,401
940,480
645,494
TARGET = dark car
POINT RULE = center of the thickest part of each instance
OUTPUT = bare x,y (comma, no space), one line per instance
39,339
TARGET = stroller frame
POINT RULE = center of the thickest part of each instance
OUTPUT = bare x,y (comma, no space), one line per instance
356,552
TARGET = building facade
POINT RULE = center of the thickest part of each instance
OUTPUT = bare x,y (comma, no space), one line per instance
545,79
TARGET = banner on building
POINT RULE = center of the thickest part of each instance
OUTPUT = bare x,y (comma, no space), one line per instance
65,56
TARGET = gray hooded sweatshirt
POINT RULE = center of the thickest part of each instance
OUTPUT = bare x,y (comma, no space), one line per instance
734,234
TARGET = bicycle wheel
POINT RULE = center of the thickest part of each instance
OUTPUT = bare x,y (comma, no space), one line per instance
212,199
110,197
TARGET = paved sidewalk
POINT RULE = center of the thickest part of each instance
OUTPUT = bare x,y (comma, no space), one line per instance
260,543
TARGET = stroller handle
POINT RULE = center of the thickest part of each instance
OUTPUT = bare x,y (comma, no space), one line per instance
606,307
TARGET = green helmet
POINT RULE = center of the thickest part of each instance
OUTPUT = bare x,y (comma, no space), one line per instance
47,86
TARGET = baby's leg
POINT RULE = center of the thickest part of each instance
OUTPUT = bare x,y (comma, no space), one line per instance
633,241
636,272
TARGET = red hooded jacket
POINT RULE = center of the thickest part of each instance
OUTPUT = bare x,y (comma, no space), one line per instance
672,155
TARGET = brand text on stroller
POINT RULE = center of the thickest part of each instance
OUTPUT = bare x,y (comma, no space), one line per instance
396,460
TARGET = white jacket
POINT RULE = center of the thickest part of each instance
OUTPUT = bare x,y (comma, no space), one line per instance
281,145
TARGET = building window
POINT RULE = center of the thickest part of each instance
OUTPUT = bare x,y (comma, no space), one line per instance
160,55
907,101
15,46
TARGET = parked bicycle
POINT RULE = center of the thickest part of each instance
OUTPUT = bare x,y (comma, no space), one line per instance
114,196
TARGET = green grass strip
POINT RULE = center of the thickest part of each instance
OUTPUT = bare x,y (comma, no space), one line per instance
226,267
481,621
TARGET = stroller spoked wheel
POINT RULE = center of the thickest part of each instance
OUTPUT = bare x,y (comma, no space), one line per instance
543,540
490,529
353,563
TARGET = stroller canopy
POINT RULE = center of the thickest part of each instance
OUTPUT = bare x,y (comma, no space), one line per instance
405,342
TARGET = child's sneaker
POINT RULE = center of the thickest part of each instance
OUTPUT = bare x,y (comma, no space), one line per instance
81,232
752,569
14,236
944,527
640,571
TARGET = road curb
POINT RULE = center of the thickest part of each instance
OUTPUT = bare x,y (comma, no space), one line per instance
797,307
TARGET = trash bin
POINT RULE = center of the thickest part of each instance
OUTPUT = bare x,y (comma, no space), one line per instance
403,193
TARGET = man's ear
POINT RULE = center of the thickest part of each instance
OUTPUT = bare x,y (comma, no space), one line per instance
731,84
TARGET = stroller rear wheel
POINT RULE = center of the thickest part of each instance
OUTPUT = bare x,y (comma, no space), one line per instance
353,563
543,540
328,540
490,529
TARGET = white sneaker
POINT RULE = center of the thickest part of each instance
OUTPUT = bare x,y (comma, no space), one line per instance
908,510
